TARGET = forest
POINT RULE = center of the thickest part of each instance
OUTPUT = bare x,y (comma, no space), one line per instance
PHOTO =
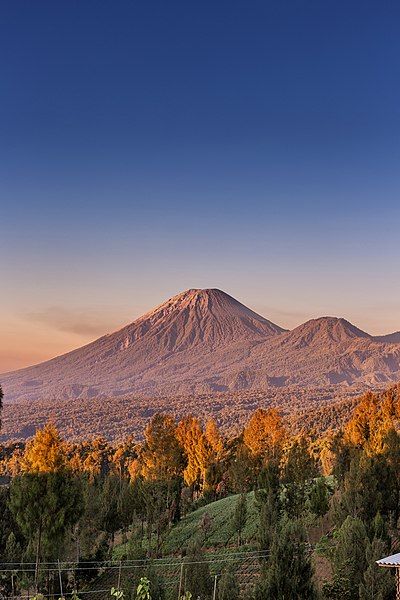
186,512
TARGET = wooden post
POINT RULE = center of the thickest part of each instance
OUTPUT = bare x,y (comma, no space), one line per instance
215,587
59,574
180,583
398,583
119,575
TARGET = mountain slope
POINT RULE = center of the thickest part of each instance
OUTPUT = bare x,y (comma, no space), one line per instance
203,341
178,345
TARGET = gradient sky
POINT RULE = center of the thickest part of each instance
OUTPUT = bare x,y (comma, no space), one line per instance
149,147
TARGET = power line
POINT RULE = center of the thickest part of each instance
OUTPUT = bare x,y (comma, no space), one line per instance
240,557
116,564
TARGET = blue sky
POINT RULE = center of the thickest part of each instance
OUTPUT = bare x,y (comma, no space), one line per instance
149,147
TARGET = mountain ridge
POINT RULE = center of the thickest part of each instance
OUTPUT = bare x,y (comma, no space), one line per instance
203,340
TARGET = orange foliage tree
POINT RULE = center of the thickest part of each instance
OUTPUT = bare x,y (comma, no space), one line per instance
372,419
161,455
265,433
46,452
197,451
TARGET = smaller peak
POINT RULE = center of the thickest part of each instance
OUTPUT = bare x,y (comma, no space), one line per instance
337,327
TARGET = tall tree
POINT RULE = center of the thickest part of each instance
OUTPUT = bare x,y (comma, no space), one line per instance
161,456
268,500
265,434
299,469
214,439
288,574
197,451
46,452
349,560
240,517
243,468
111,517
228,587
45,506
197,574
377,583
372,419
319,497
46,499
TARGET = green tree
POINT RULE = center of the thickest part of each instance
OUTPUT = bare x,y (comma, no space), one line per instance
268,502
228,588
299,469
319,497
349,560
288,574
197,574
362,489
45,506
111,519
240,517
377,583
243,468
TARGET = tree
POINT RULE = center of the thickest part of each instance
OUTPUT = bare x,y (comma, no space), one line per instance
319,497
111,519
288,574
372,419
240,517
161,456
46,452
196,449
228,588
349,560
158,504
363,485
45,506
268,500
214,439
243,468
8,526
197,574
265,433
299,469
95,456
377,583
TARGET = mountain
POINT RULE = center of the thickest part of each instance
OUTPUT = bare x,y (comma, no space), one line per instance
179,345
205,341
330,350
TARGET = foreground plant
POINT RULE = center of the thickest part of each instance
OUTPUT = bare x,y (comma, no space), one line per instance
143,589
117,593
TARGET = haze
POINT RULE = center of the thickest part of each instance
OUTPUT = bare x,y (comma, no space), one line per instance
163,146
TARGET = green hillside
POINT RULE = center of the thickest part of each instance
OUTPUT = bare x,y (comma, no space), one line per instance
219,533
212,524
